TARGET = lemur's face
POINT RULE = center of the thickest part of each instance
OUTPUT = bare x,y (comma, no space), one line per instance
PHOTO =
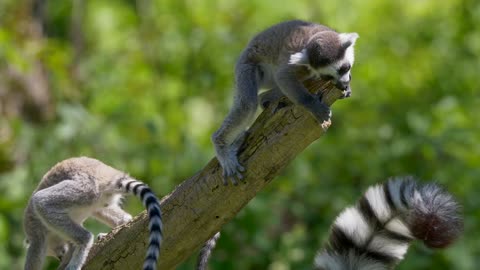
340,72
339,69
329,55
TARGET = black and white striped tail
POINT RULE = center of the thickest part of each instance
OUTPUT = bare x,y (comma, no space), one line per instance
151,203
376,232
206,251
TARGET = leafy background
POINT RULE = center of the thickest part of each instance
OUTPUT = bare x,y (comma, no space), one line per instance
143,84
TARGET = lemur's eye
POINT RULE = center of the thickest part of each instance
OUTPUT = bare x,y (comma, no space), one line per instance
344,68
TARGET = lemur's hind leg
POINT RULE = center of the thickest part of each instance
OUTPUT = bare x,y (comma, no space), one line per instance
238,119
36,253
56,217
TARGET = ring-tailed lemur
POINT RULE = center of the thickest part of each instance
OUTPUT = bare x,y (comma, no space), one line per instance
69,193
376,232
282,57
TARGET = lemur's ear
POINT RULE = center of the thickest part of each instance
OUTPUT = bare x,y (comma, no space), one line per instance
299,58
348,39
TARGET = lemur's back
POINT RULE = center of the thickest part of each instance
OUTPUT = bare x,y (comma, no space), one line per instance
291,33
77,168
71,192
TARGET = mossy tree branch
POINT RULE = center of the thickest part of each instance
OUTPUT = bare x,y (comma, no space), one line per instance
201,205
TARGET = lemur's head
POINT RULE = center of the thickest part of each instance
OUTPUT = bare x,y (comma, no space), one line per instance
330,55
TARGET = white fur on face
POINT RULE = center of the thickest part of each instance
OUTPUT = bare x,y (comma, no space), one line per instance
332,70
348,58
300,58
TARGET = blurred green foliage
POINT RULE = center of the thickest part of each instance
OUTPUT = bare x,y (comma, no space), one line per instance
153,80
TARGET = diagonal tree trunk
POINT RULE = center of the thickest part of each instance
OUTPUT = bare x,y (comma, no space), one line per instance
199,206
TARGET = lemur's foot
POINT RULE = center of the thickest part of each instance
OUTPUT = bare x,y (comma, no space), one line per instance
232,169
227,156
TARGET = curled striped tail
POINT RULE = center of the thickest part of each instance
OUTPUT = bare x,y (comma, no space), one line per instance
151,203
376,232
206,251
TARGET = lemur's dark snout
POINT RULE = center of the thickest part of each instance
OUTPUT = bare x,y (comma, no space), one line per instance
347,92
342,85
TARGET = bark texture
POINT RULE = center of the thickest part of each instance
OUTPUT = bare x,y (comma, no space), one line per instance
199,206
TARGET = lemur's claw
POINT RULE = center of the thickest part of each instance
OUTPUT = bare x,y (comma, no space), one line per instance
326,124
232,170
233,176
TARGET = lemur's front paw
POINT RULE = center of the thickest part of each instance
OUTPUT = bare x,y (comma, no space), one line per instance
326,124
232,169
323,115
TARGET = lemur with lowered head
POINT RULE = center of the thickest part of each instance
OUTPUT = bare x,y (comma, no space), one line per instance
376,232
282,57
69,193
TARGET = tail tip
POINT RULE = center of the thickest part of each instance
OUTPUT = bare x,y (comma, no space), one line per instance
437,219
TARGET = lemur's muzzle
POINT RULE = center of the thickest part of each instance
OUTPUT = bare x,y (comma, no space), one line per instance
346,93
342,85
345,87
